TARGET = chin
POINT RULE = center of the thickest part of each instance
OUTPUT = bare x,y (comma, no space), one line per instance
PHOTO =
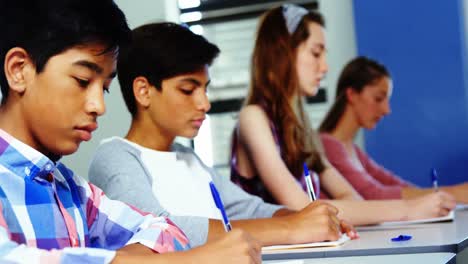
190,134
370,126
312,92
67,149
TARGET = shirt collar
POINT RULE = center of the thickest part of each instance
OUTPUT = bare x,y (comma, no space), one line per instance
23,160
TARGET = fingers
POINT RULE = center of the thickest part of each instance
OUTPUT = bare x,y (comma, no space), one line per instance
322,204
330,224
253,247
446,201
335,231
349,230
331,208
255,251
444,211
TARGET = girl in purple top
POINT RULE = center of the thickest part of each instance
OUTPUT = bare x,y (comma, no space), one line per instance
288,63
362,99
254,185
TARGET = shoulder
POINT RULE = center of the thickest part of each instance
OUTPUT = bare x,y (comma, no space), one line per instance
252,109
361,153
252,115
115,146
329,140
113,154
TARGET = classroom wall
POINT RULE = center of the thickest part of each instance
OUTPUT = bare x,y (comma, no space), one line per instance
423,45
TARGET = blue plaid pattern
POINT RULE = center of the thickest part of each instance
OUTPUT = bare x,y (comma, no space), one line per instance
44,207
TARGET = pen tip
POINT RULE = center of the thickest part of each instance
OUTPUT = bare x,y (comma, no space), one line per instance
434,174
306,170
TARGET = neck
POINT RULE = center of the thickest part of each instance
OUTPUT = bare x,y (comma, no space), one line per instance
147,135
11,121
346,128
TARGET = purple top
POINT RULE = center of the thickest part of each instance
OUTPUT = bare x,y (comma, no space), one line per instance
255,185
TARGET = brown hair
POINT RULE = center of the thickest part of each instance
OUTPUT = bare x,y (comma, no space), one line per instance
274,86
357,74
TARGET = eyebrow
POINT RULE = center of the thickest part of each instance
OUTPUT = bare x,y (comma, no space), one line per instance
382,93
320,46
195,81
93,67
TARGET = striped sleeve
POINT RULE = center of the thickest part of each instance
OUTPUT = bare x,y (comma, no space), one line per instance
12,252
113,224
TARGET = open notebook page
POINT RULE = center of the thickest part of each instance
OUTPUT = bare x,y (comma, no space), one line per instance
338,242
447,218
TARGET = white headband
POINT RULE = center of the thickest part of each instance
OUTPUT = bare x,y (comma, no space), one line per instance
292,15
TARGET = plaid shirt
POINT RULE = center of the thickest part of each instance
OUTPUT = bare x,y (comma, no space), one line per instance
50,215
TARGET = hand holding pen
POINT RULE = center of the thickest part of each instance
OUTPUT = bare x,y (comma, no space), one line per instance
219,204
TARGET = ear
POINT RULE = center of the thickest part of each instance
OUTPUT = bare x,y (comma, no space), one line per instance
141,91
351,95
18,66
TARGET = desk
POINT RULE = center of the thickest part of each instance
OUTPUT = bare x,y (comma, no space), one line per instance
451,237
426,258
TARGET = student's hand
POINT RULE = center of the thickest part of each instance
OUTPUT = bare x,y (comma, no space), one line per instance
348,229
236,246
432,205
317,222
459,191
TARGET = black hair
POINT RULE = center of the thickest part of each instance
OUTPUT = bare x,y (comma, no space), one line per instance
160,51
45,28
357,74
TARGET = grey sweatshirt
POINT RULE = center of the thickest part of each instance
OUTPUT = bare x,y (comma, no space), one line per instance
117,168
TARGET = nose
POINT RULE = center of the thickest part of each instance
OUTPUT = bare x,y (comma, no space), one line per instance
202,102
95,101
324,65
386,108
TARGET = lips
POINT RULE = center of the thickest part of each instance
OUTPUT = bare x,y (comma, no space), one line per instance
198,122
85,131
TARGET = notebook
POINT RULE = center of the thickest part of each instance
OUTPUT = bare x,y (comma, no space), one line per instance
335,243
447,218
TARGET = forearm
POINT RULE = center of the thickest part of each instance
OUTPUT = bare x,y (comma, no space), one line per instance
139,254
459,192
283,212
414,192
268,231
338,186
371,212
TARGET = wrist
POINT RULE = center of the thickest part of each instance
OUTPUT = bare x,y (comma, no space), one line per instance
287,228
407,205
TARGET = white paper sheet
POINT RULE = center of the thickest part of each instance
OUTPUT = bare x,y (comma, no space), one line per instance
338,242
446,218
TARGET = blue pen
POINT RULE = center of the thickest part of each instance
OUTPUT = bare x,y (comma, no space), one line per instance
401,238
435,179
310,187
219,204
